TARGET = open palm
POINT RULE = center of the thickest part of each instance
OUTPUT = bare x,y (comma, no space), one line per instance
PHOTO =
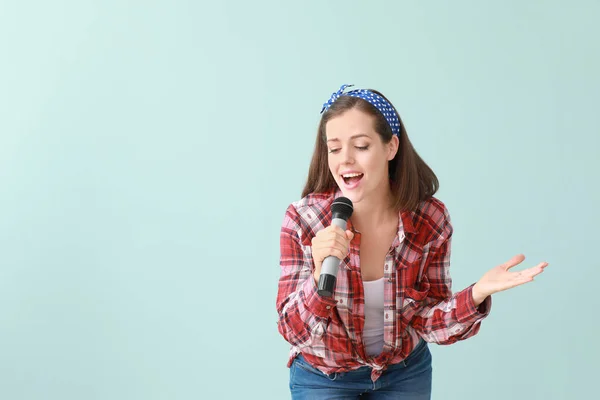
501,278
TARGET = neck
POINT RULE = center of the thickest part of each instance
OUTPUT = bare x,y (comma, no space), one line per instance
373,212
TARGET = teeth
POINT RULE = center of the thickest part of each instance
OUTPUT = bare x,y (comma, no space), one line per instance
351,175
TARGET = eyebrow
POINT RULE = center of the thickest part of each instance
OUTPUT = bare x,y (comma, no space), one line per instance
351,137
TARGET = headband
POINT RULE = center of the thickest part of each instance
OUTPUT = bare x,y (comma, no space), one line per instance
381,104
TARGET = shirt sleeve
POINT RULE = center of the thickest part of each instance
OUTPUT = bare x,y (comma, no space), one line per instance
443,317
303,313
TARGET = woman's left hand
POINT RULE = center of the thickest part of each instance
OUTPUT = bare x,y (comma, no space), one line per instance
500,278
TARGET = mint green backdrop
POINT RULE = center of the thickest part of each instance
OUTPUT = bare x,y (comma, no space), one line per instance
148,151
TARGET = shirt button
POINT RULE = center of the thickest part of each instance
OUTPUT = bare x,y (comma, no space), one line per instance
390,279
328,307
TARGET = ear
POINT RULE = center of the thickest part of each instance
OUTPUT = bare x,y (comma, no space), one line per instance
393,147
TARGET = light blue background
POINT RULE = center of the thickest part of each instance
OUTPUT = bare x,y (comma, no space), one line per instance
136,137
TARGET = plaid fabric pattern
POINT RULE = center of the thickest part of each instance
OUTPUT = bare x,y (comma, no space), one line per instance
418,300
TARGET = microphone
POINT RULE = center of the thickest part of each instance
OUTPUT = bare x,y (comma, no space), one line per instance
341,210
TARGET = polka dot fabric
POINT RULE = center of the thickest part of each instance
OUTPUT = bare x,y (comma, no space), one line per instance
381,104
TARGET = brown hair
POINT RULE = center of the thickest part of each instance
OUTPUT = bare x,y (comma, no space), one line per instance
411,179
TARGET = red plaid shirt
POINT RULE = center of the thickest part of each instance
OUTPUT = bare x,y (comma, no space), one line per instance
418,301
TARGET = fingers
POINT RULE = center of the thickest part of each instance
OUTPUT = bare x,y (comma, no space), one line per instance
533,271
330,233
513,261
516,260
336,237
331,241
526,275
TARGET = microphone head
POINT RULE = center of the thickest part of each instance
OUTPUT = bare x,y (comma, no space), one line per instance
342,208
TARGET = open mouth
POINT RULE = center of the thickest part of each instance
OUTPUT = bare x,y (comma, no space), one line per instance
353,178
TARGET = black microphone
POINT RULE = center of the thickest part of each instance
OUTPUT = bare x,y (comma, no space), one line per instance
341,210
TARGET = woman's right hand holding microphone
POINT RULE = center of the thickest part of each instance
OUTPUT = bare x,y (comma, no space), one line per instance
330,241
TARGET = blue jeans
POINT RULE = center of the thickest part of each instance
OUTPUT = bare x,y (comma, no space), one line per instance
409,379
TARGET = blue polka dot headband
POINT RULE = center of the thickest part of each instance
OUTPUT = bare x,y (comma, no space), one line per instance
381,104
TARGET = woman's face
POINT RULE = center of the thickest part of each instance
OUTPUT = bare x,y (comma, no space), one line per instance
357,157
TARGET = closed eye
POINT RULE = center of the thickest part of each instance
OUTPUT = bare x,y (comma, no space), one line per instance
361,148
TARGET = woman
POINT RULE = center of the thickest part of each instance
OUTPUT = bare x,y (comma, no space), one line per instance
393,291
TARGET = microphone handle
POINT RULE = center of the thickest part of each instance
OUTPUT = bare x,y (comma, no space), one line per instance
329,268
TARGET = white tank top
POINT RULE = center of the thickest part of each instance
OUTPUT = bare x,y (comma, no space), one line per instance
373,329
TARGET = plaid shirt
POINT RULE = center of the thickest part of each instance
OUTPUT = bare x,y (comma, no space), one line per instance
418,301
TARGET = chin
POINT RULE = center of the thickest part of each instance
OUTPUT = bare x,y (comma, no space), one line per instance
353,195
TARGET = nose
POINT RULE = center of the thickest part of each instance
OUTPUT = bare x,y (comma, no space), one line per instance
347,155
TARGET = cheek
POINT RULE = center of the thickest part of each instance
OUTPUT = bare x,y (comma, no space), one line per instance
331,165
375,166
368,161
